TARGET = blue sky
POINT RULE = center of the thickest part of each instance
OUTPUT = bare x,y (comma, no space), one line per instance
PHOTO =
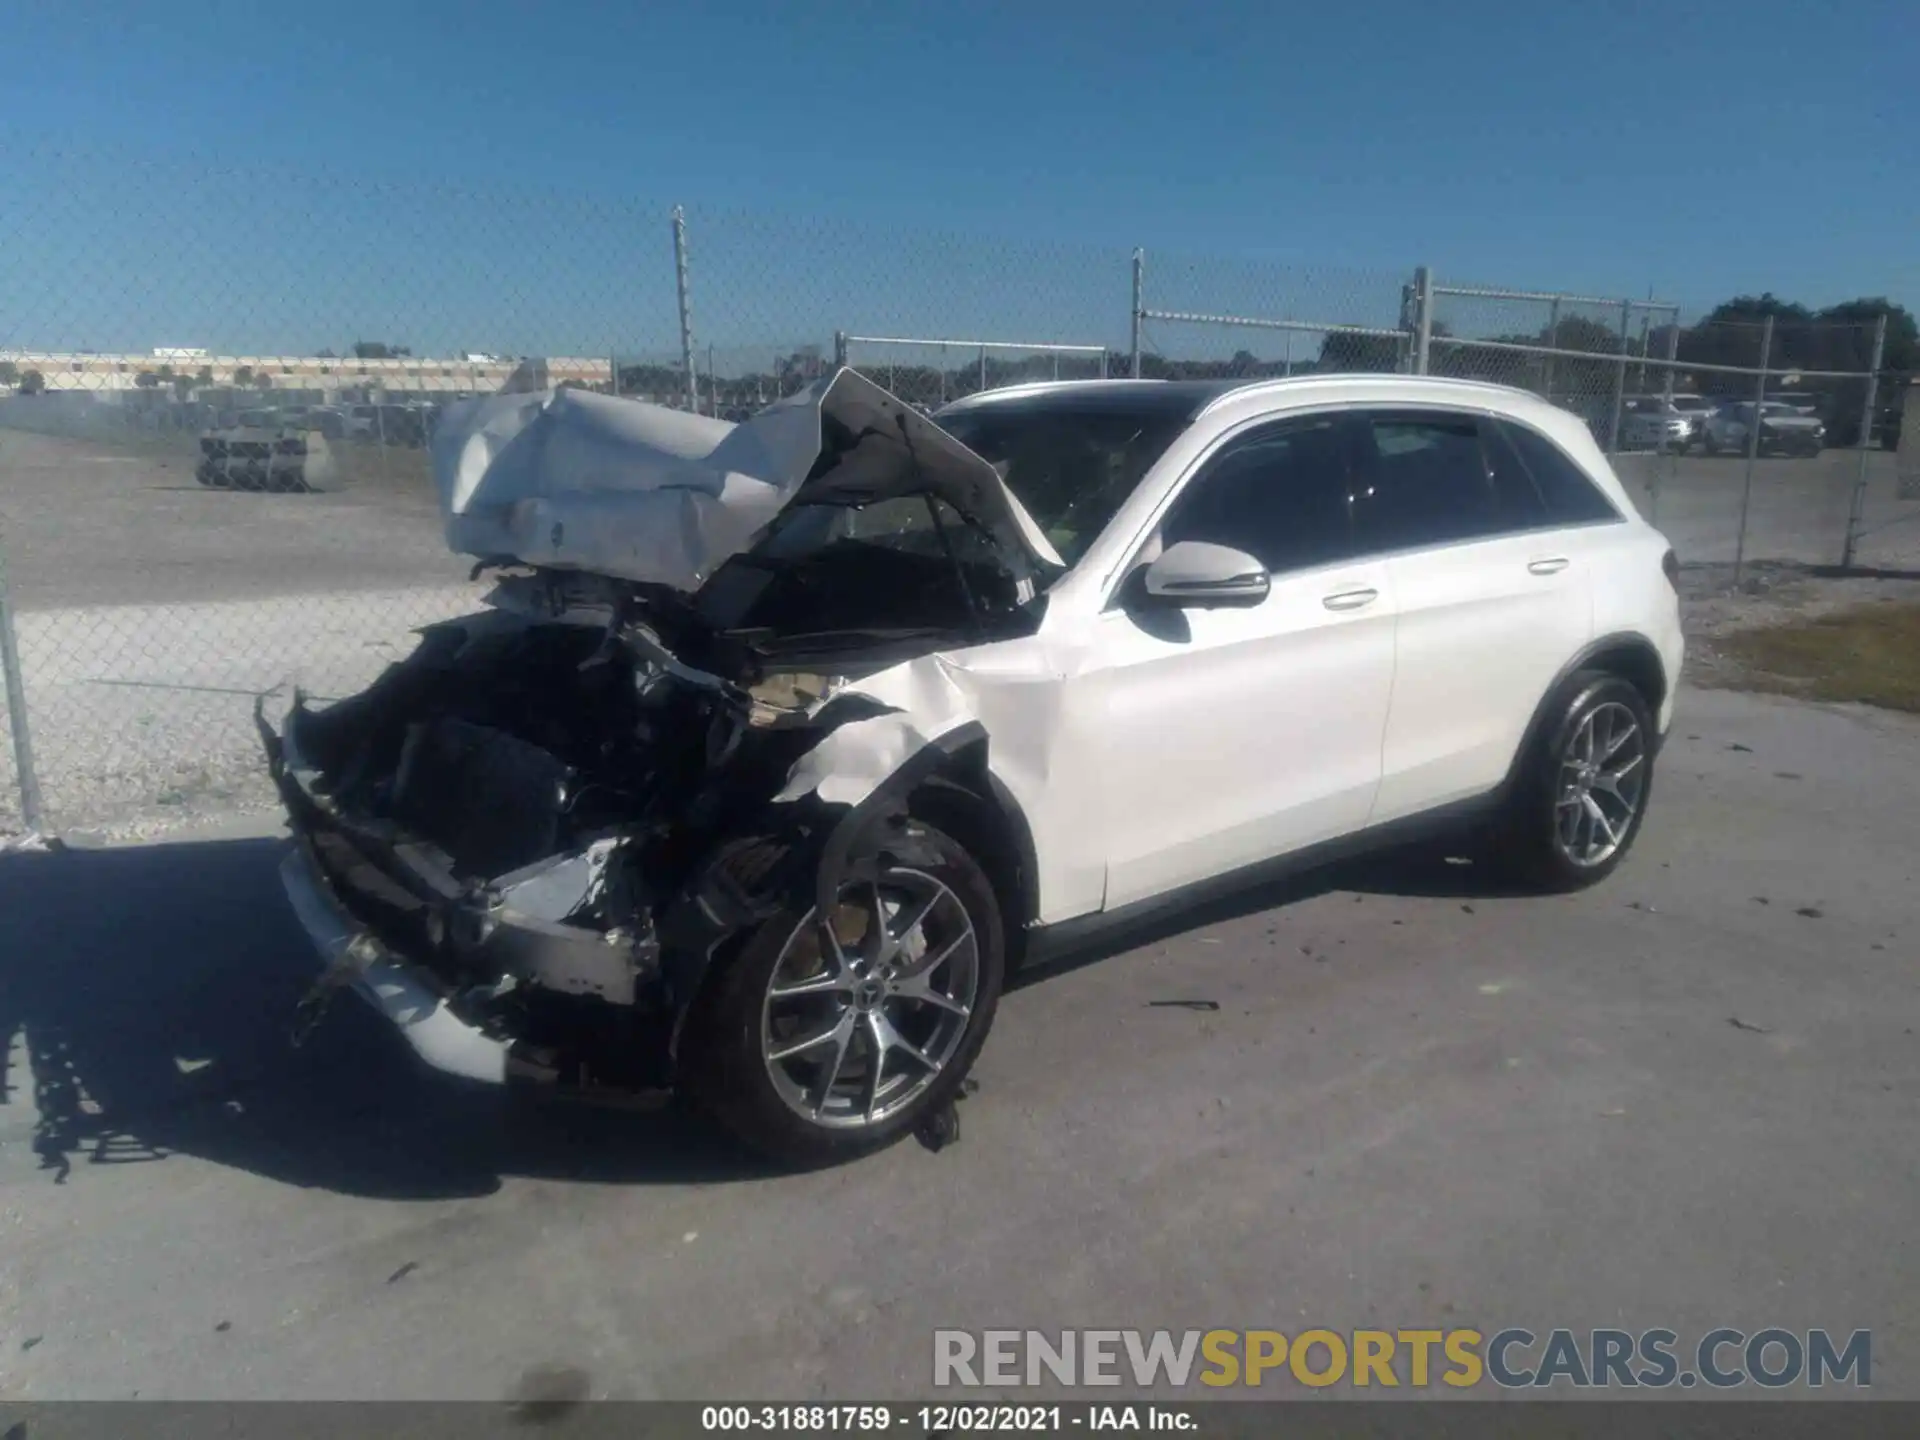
495,174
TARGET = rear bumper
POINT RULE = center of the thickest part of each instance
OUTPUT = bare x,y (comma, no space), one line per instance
403,993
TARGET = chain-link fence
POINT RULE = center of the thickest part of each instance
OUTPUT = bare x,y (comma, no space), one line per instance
217,390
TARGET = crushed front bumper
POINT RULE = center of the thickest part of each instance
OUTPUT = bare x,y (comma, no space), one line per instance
404,993
458,974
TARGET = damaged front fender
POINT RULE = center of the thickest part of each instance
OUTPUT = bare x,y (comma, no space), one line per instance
842,818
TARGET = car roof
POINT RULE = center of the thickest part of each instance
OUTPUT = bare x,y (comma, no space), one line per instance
1175,399
1191,399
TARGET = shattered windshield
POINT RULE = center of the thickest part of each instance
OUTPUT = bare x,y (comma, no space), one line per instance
1069,462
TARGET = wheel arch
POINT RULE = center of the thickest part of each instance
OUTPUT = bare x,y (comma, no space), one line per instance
965,798
1626,654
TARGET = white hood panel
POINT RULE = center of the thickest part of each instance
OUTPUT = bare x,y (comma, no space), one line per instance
573,480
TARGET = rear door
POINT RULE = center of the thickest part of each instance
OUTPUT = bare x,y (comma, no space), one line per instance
1493,594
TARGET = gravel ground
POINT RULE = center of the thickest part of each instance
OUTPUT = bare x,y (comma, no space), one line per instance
1770,593
143,715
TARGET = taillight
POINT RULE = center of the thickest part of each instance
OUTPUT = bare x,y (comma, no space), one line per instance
1670,567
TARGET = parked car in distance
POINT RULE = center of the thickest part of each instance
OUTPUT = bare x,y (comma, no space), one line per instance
761,794
1652,424
1783,430
1695,409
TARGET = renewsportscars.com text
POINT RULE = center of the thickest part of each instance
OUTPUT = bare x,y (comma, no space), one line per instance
1414,1359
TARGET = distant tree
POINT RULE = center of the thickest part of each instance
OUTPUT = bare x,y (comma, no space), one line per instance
204,376
243,375
9,373
325,355
1344,350
165,372
378,350
262,380
147,380
32,382
1849,336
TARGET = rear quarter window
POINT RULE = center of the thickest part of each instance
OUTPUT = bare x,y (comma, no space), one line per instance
1567,491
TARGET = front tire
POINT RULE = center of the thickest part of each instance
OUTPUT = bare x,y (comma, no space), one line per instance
1582,792
816,1043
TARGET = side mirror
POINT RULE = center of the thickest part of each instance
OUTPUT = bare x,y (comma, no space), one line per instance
1199,573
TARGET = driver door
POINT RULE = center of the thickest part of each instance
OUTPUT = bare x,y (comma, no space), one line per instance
1236,734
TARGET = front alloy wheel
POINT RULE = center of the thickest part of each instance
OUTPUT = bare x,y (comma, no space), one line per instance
819,1039
865,1011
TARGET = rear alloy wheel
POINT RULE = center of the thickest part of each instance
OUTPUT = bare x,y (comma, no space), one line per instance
1583,792
823,1041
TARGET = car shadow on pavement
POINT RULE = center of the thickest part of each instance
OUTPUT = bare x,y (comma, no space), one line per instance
146,995
1431,871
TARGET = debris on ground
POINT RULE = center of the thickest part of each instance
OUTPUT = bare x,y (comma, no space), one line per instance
1183,1004
404,1271
1739,1024
1812,912
940,1128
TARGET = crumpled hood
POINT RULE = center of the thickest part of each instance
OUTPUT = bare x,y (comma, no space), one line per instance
574,480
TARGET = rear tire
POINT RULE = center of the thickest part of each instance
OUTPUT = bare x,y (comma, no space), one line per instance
780,1045
1582,792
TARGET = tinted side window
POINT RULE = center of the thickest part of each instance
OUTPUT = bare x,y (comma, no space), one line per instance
1428,483
1282,494
1571,496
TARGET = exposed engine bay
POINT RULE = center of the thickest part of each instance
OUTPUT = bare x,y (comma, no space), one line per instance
558,809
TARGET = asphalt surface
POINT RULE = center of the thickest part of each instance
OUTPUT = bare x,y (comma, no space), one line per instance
1685,1099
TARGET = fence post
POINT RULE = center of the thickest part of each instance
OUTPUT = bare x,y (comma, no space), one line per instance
1139,303
687,367
32,813
1422,318
1753,448
1619,379
1553,343
983,367
839,349
1666,408
1857,507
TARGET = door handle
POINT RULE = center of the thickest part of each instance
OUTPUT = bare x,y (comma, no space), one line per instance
1350,599
1552,566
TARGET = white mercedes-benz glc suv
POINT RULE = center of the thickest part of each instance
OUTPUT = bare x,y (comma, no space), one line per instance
781,743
